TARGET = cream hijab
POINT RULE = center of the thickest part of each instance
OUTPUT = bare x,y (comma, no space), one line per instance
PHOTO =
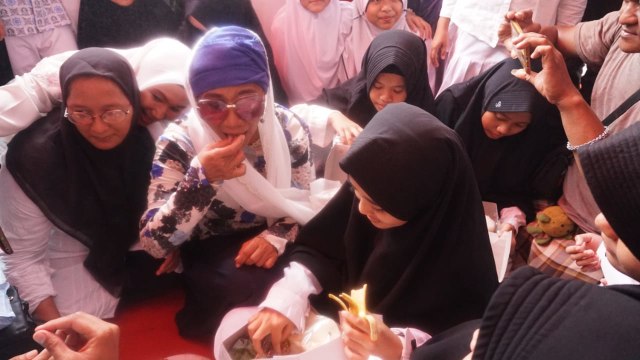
308,47
273,197
361,35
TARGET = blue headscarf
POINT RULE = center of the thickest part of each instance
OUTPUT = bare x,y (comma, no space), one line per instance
228,56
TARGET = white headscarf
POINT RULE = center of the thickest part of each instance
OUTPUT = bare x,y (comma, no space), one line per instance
308,47
160,61
362,33
273,197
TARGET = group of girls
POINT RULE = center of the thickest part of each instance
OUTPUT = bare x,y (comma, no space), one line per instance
230,183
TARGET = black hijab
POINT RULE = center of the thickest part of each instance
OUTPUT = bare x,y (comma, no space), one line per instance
504,168
436,270
612,170
533,316
95,196
401,50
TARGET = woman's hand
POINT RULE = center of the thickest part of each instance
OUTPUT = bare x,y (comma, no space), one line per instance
257,251
358,343
418,25
223,160
171,262
440,43
269,322
344,127
584,251
85,338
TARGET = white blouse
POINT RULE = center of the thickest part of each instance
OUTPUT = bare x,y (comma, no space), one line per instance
46,261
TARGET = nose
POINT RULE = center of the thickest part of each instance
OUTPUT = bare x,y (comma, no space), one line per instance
159,111
364,207
232,119
386,96
98,126
502,130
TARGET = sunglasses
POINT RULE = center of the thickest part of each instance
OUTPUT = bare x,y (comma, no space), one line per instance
248,108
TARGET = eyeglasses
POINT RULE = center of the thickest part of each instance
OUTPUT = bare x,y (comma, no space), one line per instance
248,108
112,117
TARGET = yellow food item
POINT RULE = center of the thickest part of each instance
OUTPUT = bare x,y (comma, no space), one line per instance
356,304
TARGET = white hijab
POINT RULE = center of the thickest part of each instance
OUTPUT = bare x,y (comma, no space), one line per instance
308,47
362,33
160,61
273,197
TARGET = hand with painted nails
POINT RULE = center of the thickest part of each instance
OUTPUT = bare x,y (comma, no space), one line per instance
78,336
223,160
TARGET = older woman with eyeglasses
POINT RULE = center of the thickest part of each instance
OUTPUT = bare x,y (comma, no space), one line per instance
232,178
73,191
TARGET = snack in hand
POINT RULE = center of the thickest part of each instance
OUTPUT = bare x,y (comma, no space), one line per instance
356,305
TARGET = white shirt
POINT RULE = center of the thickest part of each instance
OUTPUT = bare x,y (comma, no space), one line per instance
482,18
46,261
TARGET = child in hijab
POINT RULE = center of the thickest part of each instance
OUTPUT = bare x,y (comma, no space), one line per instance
373,17
416,237
538,317
233,178
74,189
159,69
308,38
507,128
393,70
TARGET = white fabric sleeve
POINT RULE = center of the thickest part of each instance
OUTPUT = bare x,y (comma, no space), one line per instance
27,230
447,8
411,338
513,216
32,95
290,295
279,243
317,118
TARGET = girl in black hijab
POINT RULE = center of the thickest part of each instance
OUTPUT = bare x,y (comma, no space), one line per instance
79,178
395,52
413,230
507,128
533,316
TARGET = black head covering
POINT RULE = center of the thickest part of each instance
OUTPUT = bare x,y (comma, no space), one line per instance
612,170
536,317
402,49
436,270
504,168
96,196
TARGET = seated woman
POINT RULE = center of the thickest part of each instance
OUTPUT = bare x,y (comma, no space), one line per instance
507,128
74,188
414,233
158,67
536,317
232,178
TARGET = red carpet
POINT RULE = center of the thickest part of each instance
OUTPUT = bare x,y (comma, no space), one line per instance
148,332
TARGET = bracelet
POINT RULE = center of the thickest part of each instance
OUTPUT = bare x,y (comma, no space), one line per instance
603,135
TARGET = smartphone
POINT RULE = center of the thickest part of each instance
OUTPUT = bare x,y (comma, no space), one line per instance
4,244
524,55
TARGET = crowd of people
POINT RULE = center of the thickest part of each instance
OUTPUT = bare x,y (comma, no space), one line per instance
144,163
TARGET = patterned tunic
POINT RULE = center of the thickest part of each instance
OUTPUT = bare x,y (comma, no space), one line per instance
29,17
184,205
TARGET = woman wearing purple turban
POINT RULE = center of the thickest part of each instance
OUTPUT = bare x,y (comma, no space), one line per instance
233,177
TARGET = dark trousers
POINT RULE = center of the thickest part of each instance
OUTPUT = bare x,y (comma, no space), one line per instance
213,285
